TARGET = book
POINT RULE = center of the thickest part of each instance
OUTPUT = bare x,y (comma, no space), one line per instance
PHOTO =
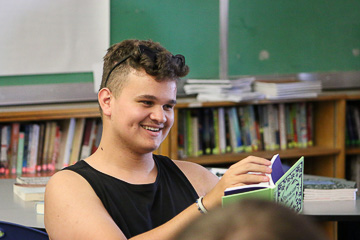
33,148
282,126
76,145
89,130
318,188
20,153
39,160
29,192
67,137
235,132
4,153
288,88
284,187
15,129
30,188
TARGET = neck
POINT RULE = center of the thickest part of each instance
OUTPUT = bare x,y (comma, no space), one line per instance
128,166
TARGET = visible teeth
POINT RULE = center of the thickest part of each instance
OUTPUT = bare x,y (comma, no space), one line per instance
151,128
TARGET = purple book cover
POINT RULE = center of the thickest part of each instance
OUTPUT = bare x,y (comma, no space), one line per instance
277,169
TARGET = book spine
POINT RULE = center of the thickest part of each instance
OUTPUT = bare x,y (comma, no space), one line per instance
85,147
181,133
55,148
68,143
78,135
189,134
266,127
228,132
235,131
293,108
356,111
195,133
282,126
207,132
20,153
39,160
33,148
302,123
309,124
253,128
244,128
289,129
260,121
216,149
222,130
27,139
15,129
4,154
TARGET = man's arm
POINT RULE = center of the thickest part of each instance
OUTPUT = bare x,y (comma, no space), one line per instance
73,210
208,185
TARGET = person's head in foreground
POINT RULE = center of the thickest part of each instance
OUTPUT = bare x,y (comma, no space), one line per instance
252,219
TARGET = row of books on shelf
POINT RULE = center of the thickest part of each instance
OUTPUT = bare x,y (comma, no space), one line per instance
353,125
48,145
218,130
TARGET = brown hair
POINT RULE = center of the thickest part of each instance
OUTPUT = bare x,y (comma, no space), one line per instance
252,219
140,54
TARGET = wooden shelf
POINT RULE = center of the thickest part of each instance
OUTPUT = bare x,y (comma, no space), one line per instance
353,151
285,154
49,112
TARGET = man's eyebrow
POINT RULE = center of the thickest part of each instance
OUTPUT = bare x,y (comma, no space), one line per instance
152,97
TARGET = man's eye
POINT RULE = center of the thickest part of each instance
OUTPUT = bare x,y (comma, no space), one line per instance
168,107
148,103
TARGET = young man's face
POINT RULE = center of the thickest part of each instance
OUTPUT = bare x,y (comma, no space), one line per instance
143,113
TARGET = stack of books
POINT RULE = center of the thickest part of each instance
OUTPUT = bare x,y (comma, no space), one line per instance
222,89
30,188
318,188
284,89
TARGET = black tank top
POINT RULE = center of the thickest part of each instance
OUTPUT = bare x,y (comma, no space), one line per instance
138,208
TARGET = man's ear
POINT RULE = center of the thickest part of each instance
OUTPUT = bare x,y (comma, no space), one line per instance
104,98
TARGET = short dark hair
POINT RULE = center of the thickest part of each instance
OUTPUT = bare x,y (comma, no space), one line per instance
140,54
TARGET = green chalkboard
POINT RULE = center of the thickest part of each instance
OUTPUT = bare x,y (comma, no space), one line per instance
189,27
282,36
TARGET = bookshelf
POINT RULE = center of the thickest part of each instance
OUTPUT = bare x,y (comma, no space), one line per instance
326,157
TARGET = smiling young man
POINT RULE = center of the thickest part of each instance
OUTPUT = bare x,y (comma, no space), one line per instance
123,191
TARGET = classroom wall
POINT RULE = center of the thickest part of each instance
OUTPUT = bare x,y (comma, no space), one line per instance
265,37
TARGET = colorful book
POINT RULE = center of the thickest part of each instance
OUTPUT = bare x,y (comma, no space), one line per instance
76,145
5,143
67,137
283,187
222,130
282,126
20,154
33,148
236,142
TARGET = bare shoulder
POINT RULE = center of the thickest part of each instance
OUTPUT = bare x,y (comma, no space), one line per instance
200,177
70,201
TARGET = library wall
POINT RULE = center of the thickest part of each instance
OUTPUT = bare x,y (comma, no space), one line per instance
318,36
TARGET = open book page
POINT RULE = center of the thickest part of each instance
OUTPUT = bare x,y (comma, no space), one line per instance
276,174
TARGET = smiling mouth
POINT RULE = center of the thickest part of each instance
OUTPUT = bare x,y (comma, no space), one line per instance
153,129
